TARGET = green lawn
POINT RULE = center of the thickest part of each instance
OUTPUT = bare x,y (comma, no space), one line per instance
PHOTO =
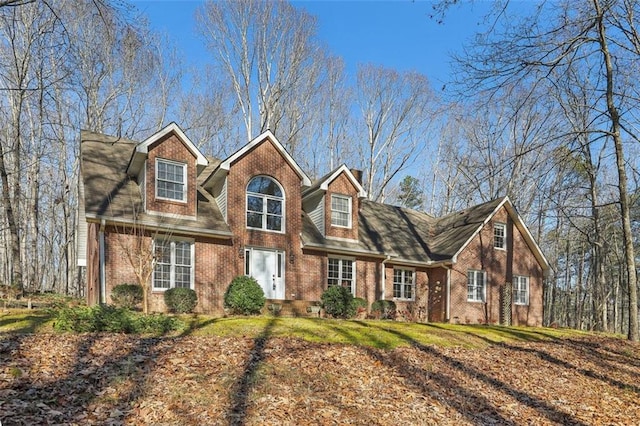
374,333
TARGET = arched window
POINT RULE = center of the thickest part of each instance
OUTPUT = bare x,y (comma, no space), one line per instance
265,204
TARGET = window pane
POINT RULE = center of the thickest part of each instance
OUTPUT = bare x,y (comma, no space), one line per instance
274,223
340,208
170,180
183,253
334,271
274,207
254,220
264,185
254,204
162,276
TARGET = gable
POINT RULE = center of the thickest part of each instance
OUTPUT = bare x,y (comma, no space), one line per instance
266,137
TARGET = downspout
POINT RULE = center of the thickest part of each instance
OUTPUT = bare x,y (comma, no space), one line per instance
448,305
384,280
103,274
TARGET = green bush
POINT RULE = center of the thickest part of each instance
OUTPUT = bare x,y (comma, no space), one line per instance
103,318
244,296
337,301
384,309
180,300
360,304
126,295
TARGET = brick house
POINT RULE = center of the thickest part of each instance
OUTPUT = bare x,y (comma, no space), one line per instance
206,220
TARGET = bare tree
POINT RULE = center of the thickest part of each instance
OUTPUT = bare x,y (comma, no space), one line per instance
536,50
397,111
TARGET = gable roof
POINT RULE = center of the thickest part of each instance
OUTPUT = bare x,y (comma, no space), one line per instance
323,183
142,148
414,237
110,194
224,165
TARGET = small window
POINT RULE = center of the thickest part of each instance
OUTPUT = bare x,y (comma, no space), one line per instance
174,264
403,284
265,203
171,180
520,290
476,286
500,236
341,211
341,272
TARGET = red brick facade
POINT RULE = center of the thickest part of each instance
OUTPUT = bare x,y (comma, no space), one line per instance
439,292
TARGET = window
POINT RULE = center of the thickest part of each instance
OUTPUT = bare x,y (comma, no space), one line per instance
174,264
476,286
341,273
171,180
403,284
341,211
500,236
520,290
264,204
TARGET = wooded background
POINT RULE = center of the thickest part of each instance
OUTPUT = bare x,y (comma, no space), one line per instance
543,107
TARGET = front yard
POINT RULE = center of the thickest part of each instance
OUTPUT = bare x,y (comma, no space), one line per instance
269,370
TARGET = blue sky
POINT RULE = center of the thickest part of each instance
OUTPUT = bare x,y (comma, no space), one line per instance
395,33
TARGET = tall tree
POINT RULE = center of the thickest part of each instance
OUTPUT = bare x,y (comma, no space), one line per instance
538,45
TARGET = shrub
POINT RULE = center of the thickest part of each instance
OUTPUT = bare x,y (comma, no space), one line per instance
100,318
337,301
384,309
244,296
360,304
180,300
126,295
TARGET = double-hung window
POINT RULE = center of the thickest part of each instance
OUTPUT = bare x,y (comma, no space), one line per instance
171,180
265,204
520,290
500,236
476,286
341,211
174,264
341,272
403,284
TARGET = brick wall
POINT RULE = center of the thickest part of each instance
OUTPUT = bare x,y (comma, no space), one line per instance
341,185
500,266
171,148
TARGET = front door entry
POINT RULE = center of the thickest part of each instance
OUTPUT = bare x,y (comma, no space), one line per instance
267,267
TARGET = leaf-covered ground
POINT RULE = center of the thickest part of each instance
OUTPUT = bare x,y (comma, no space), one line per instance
264,379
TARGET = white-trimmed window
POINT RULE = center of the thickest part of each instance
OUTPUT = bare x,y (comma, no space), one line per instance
520,290
476,286
403,284
265,204
174,264
341,211
171,180
342,272
500,236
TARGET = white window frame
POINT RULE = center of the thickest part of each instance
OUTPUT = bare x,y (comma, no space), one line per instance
472,285
340,213
340,279
503,228
172,263
265,199
183,183
521,290
403,283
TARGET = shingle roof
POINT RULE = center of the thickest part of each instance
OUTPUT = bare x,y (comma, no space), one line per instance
110,194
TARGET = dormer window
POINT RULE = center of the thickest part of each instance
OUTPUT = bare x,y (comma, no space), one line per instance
265,203
341,211
171,178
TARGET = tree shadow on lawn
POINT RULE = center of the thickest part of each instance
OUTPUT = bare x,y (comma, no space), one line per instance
426,382
487,408
242,389
67,399
588,350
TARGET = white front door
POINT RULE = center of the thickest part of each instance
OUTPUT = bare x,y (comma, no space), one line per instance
267,267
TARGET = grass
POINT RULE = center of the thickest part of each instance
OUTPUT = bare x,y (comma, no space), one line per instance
373,333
